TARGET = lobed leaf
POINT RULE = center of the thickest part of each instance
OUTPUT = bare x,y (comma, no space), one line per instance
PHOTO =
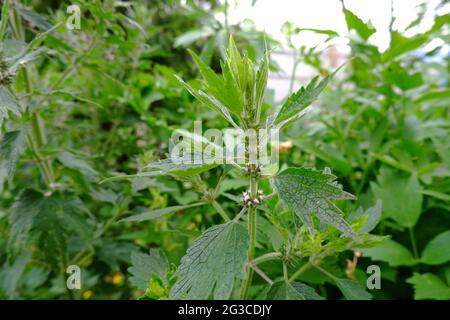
308,191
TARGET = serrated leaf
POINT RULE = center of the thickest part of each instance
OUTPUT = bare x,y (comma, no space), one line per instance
209,101
212,263
8,103
48,220
297,102
391,252
158,213
12,145
365,30
308,191
352,290
401,196
217,87
282,290
167,166
33,18
308,292
11,274
437,251
143,266
429,286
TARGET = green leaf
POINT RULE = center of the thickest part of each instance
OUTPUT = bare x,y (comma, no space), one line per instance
437,94
292,109
328,32
8,103
216,86
373,216
12,145
154,214
33,18
401,196
391,252
47,220
261,80
429,286
308,292
437,251
209,101
365,30
212,263
167,166
402,45
5,19
308,191
11,274
143,266
191,36
282,290
73,162
352,290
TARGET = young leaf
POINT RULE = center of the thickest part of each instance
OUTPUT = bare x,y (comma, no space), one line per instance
217,87
167,166
212,263
12,145
437,250
145,265
429,286
297,102
210,101
352,290
282,290
308,191
391,252
373,216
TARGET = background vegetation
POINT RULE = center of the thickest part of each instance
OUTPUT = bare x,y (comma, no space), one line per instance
80,106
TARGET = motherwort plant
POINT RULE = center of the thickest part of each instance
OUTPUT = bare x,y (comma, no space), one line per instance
222,261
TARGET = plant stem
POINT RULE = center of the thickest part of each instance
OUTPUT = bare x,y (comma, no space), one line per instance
37,137
220,210
413,242
267,257
252,235
325,272
285,272
300,271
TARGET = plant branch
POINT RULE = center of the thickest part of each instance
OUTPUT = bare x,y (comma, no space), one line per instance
252,235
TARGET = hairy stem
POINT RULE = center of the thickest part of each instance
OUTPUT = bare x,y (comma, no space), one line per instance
267,257
252,235
300,271
220,210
